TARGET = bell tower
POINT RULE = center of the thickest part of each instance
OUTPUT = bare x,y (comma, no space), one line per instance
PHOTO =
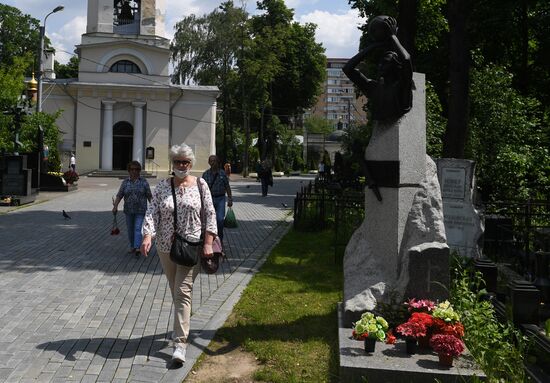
124,36
126,17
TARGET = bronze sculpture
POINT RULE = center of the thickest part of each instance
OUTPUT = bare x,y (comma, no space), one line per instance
389,96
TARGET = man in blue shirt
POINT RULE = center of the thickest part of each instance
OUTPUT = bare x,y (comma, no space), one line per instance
218,182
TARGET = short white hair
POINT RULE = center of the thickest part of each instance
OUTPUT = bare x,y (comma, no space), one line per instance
182,150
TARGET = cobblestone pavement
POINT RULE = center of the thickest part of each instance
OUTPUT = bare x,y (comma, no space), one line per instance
74,306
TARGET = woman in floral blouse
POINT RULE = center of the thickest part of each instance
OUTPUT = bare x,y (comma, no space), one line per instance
136,192
159,224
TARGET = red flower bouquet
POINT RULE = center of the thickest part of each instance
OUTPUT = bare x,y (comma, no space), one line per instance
390,338
447,345
423,318
114,229
441,327
412,329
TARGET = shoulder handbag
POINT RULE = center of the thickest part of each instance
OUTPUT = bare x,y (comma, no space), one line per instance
210,264
183,252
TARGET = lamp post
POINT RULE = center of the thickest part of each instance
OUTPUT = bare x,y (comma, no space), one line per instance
40,54
42,30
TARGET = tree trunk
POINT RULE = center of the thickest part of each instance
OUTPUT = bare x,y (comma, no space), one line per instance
459,78
523,75
406,33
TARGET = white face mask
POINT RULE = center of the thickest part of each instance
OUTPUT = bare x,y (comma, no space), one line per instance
181,173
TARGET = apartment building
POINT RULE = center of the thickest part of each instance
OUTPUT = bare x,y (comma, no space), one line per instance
338,102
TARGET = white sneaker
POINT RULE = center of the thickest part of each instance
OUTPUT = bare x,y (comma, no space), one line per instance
179,352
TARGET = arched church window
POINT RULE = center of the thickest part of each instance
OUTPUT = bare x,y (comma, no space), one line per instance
124,66
126,11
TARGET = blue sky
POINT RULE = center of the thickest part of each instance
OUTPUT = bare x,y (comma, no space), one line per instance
336,21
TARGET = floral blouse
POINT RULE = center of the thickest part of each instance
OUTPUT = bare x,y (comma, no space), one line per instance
135,194
159,219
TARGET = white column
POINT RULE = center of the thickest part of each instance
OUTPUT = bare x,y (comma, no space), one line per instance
137,151
107,136
213,130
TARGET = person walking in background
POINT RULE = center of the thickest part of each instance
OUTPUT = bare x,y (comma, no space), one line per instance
72,162
136,192
266,176
227,169
159,224
258,169
218,182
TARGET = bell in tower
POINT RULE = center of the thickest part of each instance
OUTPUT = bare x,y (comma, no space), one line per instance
126,16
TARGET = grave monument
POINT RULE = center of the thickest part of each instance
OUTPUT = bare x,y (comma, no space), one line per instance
403,230
463,225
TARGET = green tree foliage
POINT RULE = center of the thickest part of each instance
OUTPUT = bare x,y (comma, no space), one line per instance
265,66
69,70
507,139
12,86
204,50
508,115
289,150
19,37
435,123
314,124
291,66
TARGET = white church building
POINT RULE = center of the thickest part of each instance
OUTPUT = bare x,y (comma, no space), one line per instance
123,101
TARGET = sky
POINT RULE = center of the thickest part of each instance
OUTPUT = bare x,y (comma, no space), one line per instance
336,22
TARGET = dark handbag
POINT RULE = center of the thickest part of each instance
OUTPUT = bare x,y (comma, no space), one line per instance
182,251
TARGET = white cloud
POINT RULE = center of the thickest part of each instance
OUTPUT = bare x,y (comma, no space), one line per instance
337,32
65,39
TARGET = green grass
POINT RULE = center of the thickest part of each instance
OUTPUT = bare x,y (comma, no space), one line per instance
287,315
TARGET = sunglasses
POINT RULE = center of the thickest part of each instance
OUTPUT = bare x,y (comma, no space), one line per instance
181,162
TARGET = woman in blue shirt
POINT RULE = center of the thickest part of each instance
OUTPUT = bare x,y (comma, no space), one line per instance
218,182
136,192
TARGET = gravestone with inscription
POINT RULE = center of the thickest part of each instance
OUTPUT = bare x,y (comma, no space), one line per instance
462,221
16,179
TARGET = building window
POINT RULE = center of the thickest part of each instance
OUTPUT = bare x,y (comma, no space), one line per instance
124,66
334,72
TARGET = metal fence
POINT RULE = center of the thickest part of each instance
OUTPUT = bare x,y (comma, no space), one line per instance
320,206
515,231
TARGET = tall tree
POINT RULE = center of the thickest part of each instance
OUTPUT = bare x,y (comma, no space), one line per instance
459,80
204,51
69,70
19,37
293,67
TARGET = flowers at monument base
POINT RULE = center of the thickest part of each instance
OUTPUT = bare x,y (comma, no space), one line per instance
420,305
412,329
70,176
448,328
424,318
370,326
390,338
445,311
447,345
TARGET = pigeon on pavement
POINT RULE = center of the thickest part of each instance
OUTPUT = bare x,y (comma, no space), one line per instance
66,215
284,204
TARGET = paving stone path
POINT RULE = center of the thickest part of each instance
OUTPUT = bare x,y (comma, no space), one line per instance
74,306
